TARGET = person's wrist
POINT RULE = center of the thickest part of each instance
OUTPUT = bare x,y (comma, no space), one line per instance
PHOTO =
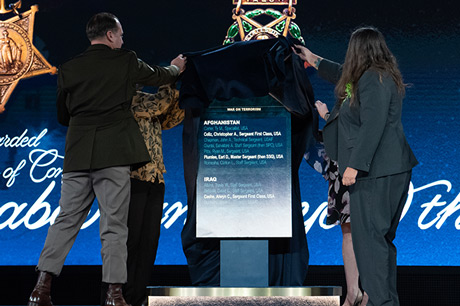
176,68
316,61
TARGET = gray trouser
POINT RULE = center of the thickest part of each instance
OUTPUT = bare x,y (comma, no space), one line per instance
111,186
376,207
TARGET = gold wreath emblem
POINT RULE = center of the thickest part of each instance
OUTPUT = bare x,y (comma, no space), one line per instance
249,29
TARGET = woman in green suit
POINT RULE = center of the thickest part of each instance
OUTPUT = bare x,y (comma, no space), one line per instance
365,135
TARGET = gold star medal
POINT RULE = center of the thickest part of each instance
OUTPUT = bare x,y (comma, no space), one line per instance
19,59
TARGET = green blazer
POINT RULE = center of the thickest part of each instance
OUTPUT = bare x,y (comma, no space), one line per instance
369,135
94,96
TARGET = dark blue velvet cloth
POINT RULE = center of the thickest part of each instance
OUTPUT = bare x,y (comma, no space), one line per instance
246,70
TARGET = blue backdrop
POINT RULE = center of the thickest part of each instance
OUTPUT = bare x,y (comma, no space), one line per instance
424,37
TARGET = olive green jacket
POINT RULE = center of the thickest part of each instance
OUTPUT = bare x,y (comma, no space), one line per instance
94,95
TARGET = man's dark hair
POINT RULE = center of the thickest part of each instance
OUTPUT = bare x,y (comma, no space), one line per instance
100,24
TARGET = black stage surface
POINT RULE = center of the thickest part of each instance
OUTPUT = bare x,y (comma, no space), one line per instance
79,285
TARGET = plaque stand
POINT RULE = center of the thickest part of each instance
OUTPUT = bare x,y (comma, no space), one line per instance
244,263
244,202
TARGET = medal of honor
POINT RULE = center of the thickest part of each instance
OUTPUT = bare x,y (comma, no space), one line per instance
19,59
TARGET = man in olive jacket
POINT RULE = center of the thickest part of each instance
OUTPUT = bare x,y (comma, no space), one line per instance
103,142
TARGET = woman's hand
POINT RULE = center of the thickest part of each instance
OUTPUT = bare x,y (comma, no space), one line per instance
306,55
322,109
302,52
349,176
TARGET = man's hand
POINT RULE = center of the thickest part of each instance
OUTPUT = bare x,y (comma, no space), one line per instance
180,62
349,176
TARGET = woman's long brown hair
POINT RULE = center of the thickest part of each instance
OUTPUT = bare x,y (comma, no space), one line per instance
367,49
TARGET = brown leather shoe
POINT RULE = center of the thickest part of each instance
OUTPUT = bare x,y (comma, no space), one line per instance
115,296
41,294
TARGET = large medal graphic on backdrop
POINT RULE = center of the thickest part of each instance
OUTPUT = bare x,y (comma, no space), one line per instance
32,149
19,59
